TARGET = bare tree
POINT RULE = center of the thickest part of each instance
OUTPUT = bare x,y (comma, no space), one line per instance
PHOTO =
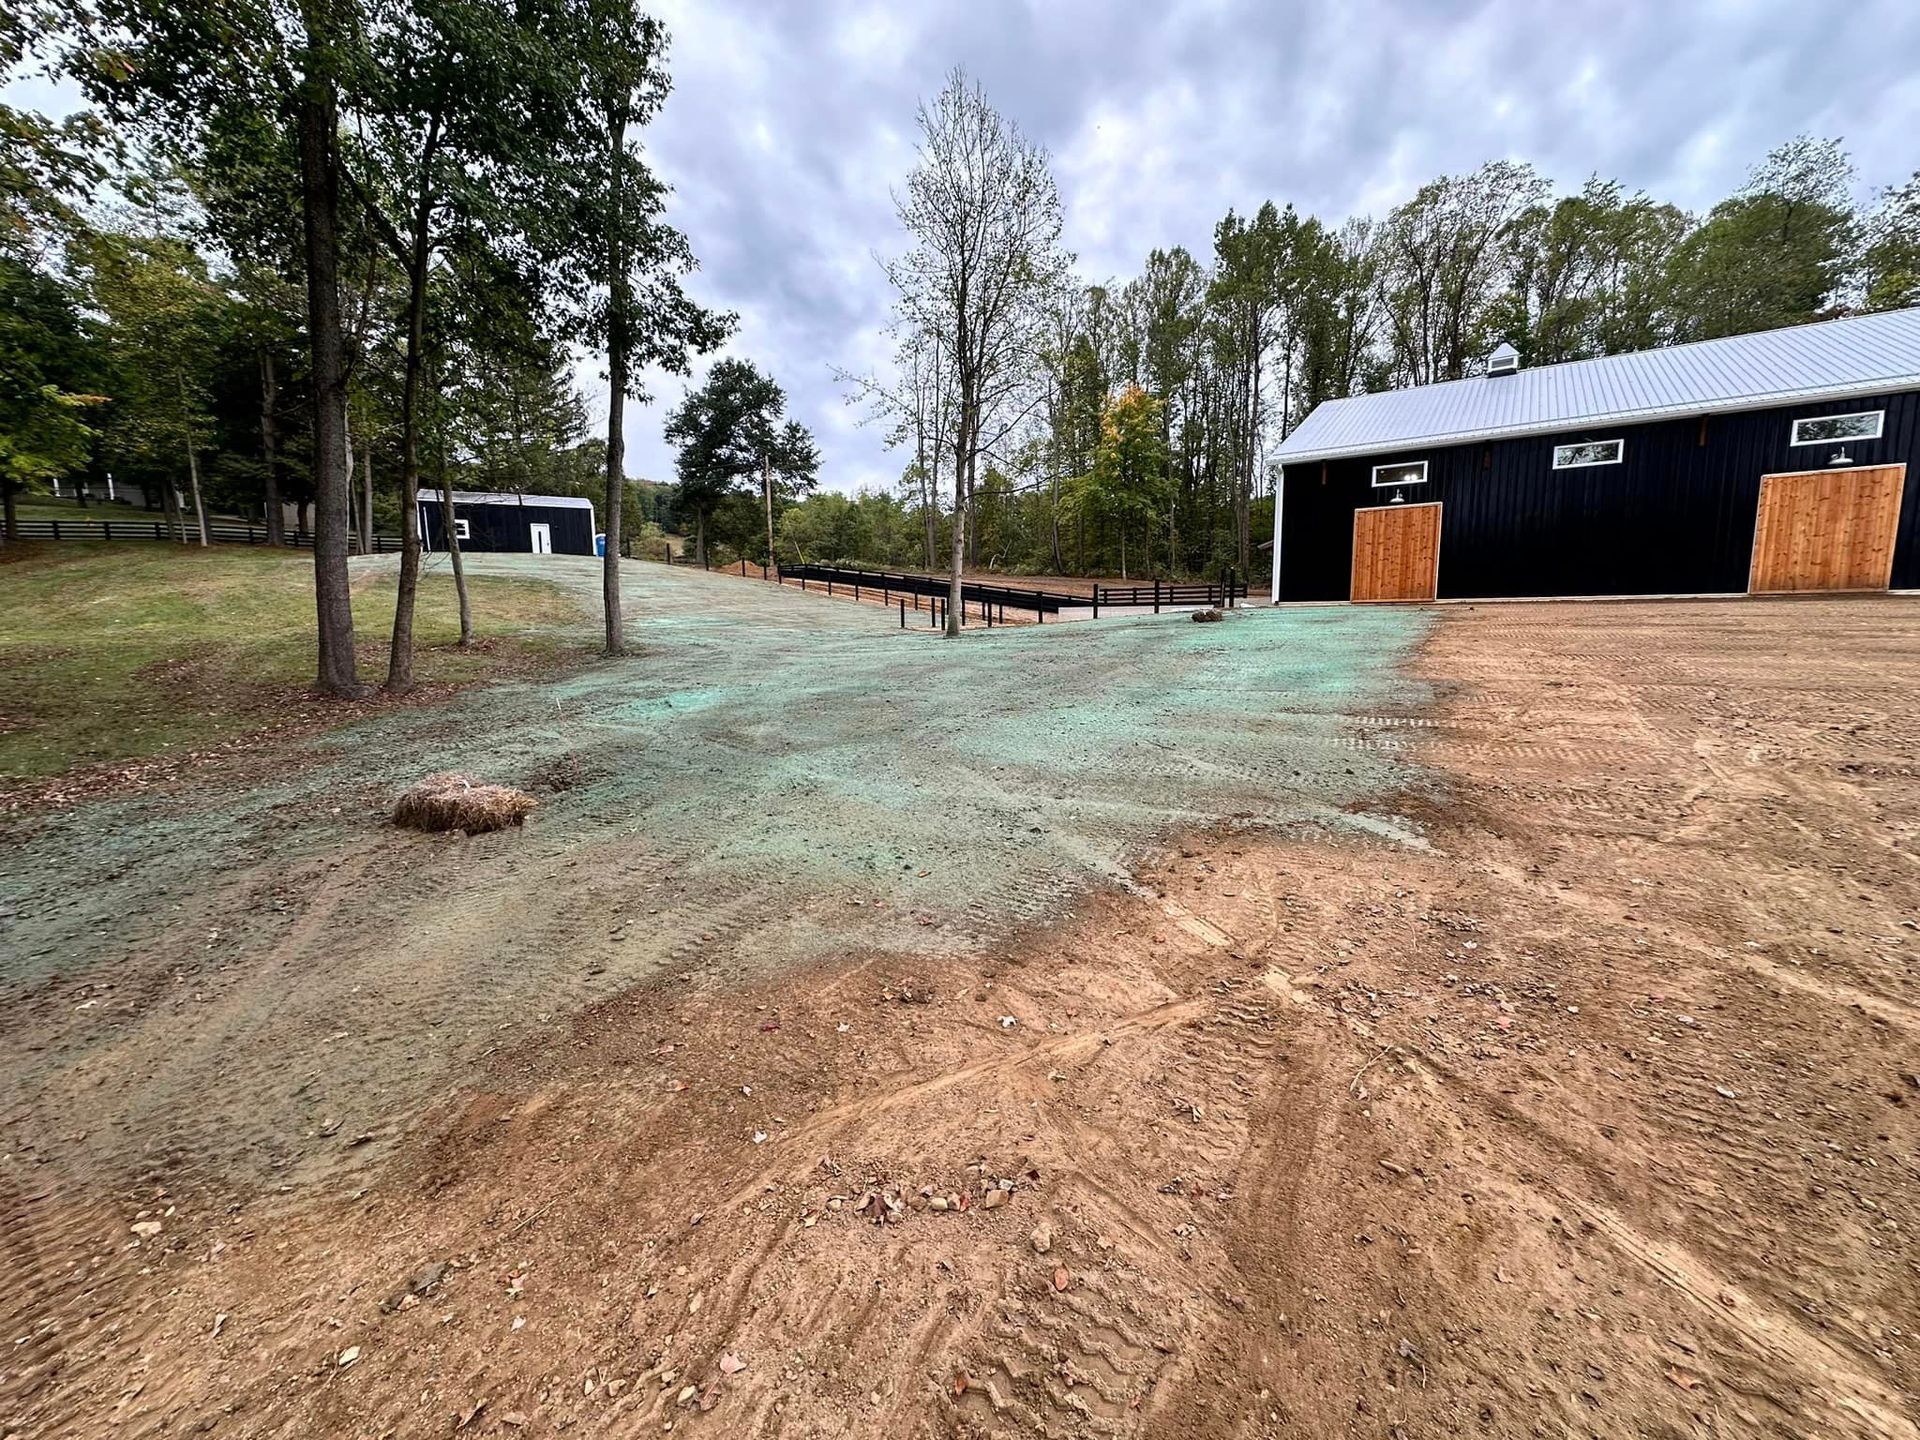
984,216
916,404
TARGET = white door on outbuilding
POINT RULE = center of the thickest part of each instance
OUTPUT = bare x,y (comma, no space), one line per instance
542,536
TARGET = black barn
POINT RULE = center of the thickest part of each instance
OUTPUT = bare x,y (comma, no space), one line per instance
504,521
1758,463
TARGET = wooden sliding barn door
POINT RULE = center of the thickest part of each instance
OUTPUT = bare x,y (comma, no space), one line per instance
1827,529
1396,552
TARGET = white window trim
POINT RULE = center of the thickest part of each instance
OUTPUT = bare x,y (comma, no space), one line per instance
1619,455
461,530
1879,428
1380,484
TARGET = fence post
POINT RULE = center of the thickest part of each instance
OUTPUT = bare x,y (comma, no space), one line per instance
56,529
106,529
856,589
903,614
1156,594
1096,602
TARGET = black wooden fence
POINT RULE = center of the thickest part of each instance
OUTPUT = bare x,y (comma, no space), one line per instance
887,583
224,533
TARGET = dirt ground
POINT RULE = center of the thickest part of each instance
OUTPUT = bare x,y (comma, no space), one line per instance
1589,1109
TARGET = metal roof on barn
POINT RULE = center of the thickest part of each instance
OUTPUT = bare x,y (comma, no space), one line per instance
1827,360
513,497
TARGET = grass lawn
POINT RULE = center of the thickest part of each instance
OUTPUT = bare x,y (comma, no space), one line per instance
120,651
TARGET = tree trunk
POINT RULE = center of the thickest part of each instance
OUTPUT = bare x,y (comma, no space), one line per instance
193,482
700,538
446,522
930,474
618,342
193,462
929,509
366,508
353,509
9,515
962,475
270,449
973,521
320,205
766,485
400,655
1053,520
170,508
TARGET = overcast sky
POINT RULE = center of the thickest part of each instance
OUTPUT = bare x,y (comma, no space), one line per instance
790,125
792,122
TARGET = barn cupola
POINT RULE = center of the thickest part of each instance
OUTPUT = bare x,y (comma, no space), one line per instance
1505,360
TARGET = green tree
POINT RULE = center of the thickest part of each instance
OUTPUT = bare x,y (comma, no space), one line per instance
1775,254
734,428
179,70
164,319
1891,264
1126,490
1439,260
1588,275
464,115
627,263
46,165
48,375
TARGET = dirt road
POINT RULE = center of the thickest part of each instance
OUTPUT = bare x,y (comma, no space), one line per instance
1590,1110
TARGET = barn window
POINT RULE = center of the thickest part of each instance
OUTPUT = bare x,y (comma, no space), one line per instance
460,531
1588,452
1409,473
1830,429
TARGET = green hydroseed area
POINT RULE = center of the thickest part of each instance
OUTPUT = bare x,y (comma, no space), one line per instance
788,736
769,778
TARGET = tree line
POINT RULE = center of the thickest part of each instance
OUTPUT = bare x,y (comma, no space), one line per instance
1127,425
321,258
294,237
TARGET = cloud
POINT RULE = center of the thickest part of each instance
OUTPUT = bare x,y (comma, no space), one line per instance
791,123
790,126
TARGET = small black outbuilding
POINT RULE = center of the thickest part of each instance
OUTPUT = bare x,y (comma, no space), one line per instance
1754,464
487,520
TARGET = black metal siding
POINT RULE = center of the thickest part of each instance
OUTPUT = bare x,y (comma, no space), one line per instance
1676,516
506,526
